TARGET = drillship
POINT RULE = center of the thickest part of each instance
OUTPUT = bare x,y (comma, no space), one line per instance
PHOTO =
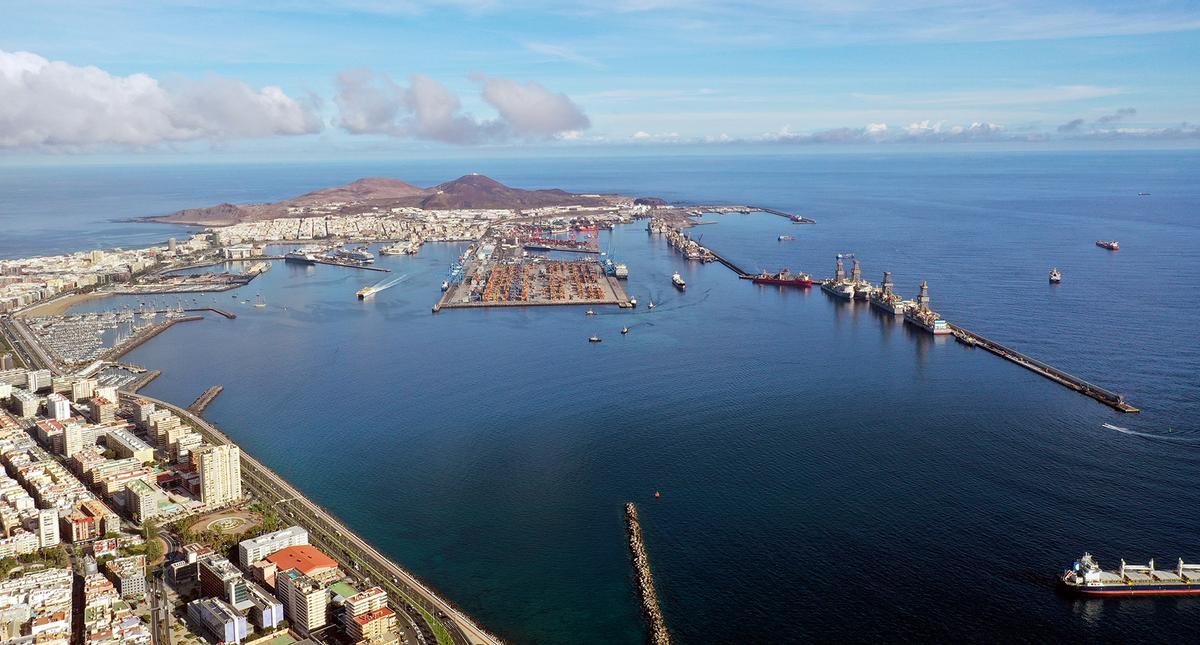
839,286
785,278
924,317
1087,578
677,280
886,299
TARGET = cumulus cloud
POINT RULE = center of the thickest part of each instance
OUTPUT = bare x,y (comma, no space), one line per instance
55,104
372,103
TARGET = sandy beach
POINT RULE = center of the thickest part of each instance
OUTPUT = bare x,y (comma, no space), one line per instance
60,306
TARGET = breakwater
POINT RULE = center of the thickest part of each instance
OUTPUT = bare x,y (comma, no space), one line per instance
141,381
645,579
125,348
1105,396
198,406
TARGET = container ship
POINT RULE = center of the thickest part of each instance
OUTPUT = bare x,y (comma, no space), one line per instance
677,280
785,278
1111,245
924,317
1087,578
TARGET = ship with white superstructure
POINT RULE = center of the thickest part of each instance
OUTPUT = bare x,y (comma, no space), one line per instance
1086,577
924,317
887,300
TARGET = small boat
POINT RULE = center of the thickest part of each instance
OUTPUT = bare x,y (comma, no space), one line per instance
1143,194
624,330
1055,276
1111,245
651,305
593,339
445,285
785,238
657,494
590,313
633,302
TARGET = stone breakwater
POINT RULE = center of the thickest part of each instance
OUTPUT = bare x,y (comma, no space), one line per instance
641,564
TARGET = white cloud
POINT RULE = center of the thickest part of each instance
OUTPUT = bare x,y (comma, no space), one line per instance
56,104
371,103
560,52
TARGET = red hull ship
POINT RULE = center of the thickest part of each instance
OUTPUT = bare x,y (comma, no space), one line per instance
784,278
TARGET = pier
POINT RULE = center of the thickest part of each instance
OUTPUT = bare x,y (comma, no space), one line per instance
228,314
201,403
1105,396
741,273
140,382
641,564
123,349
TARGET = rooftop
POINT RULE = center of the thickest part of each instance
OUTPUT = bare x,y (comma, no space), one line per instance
304,558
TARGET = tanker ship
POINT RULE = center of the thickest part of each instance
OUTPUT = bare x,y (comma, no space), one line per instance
785,278
1087,578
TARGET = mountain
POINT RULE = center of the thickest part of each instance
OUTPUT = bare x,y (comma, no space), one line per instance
364,195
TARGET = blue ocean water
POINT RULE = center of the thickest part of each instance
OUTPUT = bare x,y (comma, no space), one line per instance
827,473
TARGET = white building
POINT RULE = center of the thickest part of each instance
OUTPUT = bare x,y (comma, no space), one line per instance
255,549
58,407
220,470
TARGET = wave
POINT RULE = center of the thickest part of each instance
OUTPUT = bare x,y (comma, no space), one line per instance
1171,436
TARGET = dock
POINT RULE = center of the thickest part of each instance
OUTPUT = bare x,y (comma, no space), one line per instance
1105,396
228,314
741,273
121,350
140,382
350,265
198,406
641,564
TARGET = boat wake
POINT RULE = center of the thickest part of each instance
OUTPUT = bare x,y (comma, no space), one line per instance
1170,436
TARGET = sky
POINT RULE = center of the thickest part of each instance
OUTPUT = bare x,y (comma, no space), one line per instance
344,76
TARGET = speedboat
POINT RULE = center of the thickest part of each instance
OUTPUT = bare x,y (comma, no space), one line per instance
594,339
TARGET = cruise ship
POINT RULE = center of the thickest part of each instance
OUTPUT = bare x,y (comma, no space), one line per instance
886,299
399,248
924,317
1087,578
302,255
361,255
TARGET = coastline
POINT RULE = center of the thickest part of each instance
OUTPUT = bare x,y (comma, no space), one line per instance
59,306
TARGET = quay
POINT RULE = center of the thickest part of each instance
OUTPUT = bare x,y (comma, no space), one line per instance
228,314
641,564
1105,396
202,402
350,265
450,626
141,381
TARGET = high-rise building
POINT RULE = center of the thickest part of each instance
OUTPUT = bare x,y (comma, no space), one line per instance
305,601
218,577
220,471
25,403
142,409
83,389
367,617
222,622
37,380
141,499
255,549
58,407
48,535
6,361
101,410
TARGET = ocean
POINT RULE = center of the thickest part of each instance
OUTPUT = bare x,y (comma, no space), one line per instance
827,473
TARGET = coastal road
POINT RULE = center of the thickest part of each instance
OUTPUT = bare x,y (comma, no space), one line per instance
272,488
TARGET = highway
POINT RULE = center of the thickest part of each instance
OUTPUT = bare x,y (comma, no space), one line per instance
340,540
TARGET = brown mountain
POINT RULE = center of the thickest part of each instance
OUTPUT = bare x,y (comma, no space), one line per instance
468,191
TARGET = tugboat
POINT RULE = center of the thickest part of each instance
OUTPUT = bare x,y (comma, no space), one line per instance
1088,579
1111,245
1055,276
593,339
677,280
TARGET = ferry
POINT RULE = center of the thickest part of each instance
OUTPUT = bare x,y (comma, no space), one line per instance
785,278
1087,578
1055,276
1111,245
366,292
677,280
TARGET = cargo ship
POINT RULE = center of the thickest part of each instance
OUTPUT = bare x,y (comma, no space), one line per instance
1111,245
677,280
1087,578
924,317
785,278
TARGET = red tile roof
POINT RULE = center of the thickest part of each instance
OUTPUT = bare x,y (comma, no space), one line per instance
304,557
372,616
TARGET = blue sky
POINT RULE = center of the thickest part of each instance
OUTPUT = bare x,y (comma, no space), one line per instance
198,76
